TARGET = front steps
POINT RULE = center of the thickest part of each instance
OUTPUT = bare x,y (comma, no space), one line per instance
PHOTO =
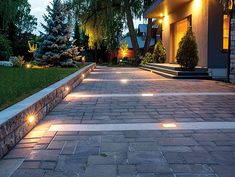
173,71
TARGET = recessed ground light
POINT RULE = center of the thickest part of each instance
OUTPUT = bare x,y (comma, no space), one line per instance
169,125
147,94
124,81
28,66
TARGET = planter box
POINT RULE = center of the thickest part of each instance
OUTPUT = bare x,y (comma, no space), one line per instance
14,123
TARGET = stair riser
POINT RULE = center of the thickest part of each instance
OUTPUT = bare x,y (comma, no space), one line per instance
162,70
192,74
186,76
177,68
161,74
177,73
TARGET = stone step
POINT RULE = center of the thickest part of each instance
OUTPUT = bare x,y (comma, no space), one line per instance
175,67
176,74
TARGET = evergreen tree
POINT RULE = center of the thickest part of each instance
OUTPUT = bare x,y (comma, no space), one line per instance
5,48
55,40
69,27
76,34
187,54
159,53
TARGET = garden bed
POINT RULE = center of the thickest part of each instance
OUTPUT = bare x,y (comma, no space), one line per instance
19,83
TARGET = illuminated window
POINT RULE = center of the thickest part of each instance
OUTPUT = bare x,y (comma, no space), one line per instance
225,32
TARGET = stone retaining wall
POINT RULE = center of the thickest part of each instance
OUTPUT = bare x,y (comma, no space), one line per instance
14,121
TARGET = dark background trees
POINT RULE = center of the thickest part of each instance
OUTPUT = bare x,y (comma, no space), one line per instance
16,26
104,21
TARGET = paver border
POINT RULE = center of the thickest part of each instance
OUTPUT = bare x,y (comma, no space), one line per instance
14,123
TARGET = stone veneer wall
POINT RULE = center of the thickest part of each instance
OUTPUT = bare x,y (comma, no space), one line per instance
14,124
232,56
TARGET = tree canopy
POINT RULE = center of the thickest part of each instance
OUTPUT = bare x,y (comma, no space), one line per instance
16,25
228,4
104,20
16,12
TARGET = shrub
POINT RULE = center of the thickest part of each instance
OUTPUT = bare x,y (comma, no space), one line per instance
5,48
114,60
148,58
187,54
159,53
18,61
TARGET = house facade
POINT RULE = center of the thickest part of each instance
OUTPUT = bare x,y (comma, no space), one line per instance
209,24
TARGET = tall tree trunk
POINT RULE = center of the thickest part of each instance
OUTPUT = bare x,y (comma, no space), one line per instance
148,35
131,28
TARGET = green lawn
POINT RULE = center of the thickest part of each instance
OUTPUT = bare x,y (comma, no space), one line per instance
19,83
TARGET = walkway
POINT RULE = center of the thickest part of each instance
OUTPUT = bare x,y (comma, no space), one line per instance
157,127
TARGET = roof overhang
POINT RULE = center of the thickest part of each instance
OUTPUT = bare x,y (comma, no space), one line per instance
162,7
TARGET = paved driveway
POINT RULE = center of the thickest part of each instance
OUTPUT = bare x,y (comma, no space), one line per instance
124,105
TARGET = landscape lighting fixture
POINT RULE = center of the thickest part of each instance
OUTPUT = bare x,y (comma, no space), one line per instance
169,125
124,81
28,66
147,94
31,118
67,88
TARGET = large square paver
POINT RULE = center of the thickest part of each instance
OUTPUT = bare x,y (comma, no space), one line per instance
101,171
146,157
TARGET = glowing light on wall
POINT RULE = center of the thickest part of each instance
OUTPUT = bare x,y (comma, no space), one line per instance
166,19
197,5
31,118
83,75
67,88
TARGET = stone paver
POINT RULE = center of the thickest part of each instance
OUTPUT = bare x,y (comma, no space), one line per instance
155,153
